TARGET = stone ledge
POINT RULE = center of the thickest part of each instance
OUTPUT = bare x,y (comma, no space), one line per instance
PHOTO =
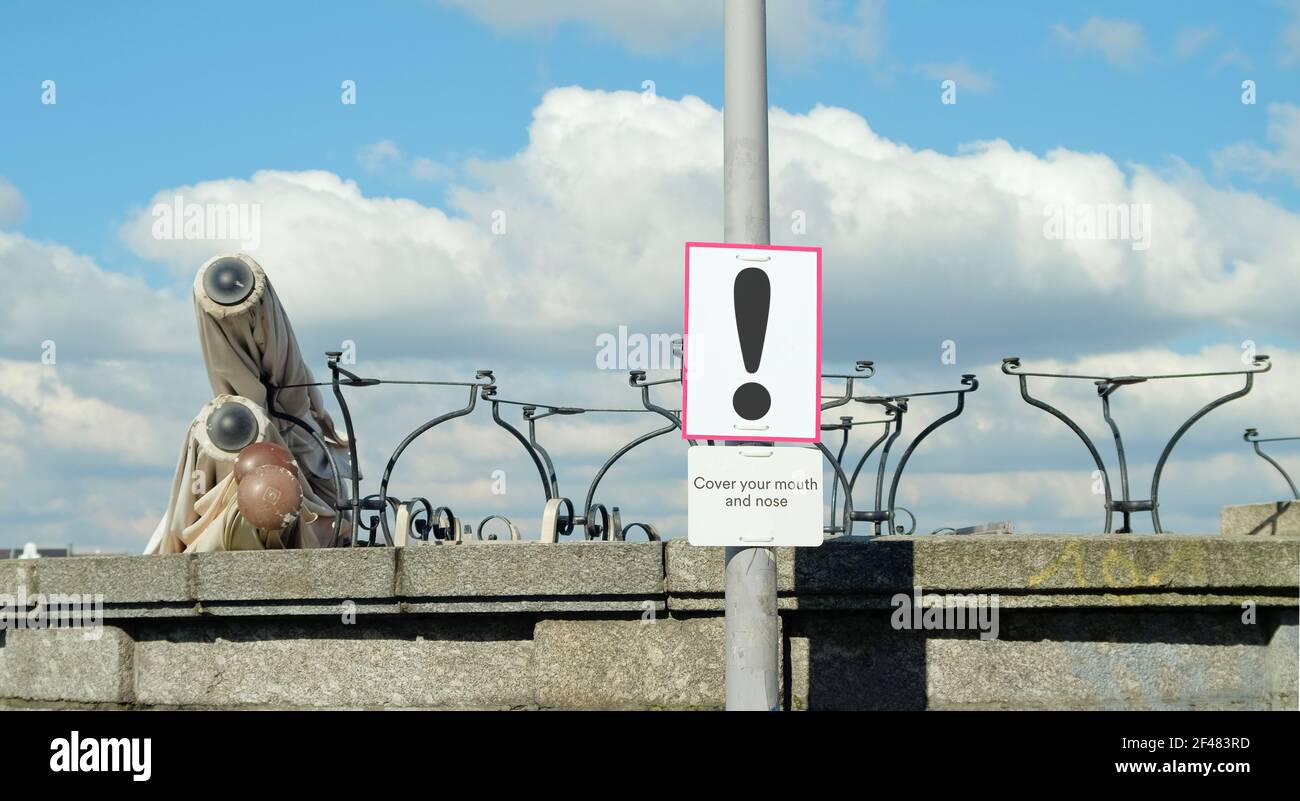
137,579
502,577
76,665
616,607
17,576
623,579
1052,659
1280,659
1036,600
650,664
1045,659
343,573
1280,519
532,569
1055,570
449,663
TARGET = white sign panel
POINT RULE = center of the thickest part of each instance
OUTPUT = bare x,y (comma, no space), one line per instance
754,495
752,364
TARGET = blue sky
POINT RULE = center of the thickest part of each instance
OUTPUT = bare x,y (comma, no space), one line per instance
162,94
467,107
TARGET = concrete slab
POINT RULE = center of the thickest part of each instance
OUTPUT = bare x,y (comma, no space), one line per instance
532,569
1280,519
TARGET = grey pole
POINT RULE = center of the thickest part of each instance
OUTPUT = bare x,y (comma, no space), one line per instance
751,622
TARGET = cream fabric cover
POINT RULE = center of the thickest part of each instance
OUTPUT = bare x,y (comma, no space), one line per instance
241,344
253,339
202,514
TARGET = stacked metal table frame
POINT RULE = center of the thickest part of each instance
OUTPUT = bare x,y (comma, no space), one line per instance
562,517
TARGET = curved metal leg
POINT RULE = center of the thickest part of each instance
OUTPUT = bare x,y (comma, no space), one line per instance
546,457
1119,442
1092,449
541,470
1127,527
839,459
397,454
595,482
925,432
884,459
1273,462
853,482
1164,456
844,481
354,500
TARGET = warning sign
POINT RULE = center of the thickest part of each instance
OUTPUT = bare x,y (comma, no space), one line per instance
752,361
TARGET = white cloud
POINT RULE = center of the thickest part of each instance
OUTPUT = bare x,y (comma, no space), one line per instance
59,417
12,206
84,310
84,461
386,158
1289,38
1190,41
572,236
801,29
967,79
1261,163
1234,57
1120,41
99,375
1005,496
378,155
426,169
797,29
920,247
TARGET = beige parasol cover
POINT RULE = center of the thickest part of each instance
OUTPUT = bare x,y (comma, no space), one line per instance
251,340
243,344
202,514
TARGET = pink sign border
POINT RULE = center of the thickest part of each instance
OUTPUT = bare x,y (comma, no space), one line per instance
686,336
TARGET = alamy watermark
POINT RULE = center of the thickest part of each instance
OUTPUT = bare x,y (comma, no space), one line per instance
222,222
922,611
1126,222
77,754
634,351
20,611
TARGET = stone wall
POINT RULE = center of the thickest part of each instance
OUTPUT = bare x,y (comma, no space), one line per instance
1148,622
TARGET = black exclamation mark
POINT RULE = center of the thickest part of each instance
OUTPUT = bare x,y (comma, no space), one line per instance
753,297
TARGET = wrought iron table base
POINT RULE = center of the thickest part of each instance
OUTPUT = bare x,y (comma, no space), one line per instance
1107,386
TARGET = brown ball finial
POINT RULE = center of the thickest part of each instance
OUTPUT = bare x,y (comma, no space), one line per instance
260,453
269,496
